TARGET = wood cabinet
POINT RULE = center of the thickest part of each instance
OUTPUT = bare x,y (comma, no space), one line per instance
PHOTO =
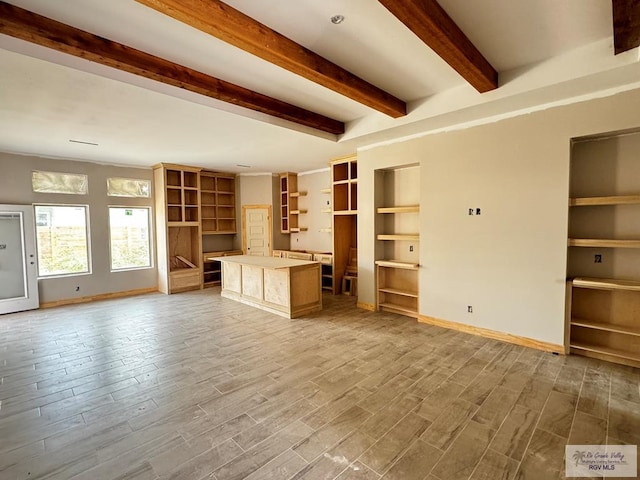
603,267
284,286
344,180
397,221
290,210
212,269
344,199
218,202
178,239
326,269
397,287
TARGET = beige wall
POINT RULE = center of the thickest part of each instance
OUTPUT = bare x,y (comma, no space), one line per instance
315,201
262,190
509,263
15,188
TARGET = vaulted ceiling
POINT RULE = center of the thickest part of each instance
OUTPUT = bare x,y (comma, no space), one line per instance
277,86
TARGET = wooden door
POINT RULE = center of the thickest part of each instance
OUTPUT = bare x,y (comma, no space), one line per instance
256,230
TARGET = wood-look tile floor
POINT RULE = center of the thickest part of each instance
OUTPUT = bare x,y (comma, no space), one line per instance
194,386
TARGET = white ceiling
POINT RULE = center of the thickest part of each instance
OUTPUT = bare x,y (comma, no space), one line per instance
546,51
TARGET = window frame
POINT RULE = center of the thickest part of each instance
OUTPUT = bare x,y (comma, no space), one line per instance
150,237
87,219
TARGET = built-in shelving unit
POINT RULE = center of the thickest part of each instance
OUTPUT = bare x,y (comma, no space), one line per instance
603,290
344,179
218,203
344,200
396,221
290,211
397,287
178,240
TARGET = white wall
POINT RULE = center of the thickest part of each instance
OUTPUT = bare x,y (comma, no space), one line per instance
15,188
509,263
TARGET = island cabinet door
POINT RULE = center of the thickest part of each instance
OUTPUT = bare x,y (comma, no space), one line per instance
232,277
276,288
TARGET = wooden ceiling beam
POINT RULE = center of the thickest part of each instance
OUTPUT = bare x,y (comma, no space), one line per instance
626,25
428,20
234,27
28,26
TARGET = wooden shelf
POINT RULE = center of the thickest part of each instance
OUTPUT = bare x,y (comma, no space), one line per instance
394,308
298,229
607,284
298,194
607,327
325,190
413,237
634,356
345,212
326,230
396,291
397,264
325,210
610,200
594,242
298,212
405,209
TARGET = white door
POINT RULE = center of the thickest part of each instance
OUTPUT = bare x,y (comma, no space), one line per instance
18,270
257,231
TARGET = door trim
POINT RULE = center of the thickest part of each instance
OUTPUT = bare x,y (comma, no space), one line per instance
244,226
28,240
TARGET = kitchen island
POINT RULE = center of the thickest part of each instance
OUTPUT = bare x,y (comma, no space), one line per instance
287,287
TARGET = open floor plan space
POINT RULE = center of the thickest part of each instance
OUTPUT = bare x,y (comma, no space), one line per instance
197,386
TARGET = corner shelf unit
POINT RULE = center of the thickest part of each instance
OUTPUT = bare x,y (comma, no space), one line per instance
218,203
289,208
603,288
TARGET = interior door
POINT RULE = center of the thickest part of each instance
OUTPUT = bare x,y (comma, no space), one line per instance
256,234
18,270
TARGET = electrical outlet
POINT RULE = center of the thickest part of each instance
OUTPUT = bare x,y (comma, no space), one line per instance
471,211
597,258
77,288
477,211
469,309
411,248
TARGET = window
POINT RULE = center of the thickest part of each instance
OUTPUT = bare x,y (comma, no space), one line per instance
128,187
56,182
129,238
62,239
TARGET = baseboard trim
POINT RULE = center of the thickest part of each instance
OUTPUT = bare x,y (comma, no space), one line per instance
101,296
366,306
485,332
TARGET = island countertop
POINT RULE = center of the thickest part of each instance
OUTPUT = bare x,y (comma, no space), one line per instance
264,262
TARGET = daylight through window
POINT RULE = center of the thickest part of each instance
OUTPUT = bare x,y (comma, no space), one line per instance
129,238
62,239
